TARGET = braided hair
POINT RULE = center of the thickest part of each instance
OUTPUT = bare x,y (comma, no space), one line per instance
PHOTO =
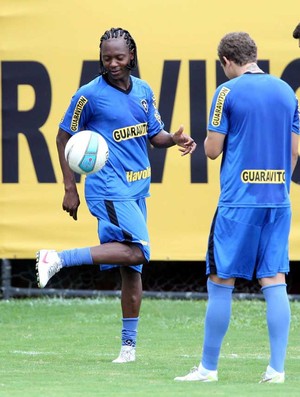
115,33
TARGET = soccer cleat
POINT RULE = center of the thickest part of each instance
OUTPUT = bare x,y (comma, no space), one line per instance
47,264
197,375
127,354
272,376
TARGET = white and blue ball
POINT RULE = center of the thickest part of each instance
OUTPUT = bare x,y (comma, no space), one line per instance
86,152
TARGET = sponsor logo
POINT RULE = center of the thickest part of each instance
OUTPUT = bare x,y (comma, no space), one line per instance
134,131
82,101
216,118
263,176
44,260
154,101
157,116
133,176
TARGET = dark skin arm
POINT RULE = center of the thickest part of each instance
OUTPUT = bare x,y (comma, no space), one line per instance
165,139
71,200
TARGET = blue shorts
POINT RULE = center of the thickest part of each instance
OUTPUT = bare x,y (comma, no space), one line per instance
249,242
122,221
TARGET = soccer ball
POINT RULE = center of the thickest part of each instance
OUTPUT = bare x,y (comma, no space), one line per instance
86,152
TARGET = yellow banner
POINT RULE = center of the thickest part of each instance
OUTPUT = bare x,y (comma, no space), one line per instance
48,49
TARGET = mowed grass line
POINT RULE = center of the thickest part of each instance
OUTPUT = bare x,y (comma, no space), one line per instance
64,347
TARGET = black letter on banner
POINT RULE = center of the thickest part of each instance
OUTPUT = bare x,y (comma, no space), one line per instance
292,76
90,70
198,120
221,77
166,106
25,122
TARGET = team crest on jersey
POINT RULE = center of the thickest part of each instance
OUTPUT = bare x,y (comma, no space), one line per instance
144,103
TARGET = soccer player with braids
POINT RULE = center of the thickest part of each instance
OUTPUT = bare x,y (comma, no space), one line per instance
122,109
254,124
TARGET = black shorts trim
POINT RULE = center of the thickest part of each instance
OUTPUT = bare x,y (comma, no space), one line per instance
110,208
211,255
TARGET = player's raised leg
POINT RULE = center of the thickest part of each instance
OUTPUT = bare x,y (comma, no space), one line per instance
49,262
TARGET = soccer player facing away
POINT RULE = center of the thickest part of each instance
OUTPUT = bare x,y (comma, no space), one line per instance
254,123
122,109
296,33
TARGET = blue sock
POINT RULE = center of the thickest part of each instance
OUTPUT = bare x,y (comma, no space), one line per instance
278,320
217,320
76,257
129,331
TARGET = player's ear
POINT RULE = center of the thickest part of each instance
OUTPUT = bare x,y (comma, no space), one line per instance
131,55
225,60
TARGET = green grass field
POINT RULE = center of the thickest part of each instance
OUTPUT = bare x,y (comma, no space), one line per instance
61,348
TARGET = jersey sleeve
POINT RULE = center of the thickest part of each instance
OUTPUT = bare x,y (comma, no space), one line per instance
155,123
78,112
218,116
296,122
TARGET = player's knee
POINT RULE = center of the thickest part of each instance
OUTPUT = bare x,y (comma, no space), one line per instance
135,255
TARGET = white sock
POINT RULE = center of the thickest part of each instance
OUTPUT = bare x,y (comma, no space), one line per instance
271,371
203,370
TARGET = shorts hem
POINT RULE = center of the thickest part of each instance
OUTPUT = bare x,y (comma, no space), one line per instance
227,276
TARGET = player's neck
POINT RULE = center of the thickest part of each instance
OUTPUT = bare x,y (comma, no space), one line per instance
123,84
252,68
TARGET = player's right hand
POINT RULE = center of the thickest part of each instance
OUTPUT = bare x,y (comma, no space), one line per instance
71,202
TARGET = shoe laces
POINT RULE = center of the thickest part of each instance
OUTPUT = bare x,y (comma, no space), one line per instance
194,369
53,269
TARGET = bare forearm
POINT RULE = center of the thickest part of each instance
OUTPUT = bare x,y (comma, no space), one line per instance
68,175
163,139
213,144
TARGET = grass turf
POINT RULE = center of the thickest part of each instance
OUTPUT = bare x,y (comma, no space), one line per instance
56,347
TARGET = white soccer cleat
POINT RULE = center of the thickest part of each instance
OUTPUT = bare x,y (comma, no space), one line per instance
196,375
127,355
48,263
272,376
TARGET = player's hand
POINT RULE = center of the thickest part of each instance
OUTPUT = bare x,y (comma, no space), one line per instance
71,202
185,142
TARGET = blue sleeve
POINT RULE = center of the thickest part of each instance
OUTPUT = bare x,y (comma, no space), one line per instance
218,117
296,122
155,123
78,112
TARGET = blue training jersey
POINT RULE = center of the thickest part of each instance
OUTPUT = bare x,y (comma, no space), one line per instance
258,114
126,119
